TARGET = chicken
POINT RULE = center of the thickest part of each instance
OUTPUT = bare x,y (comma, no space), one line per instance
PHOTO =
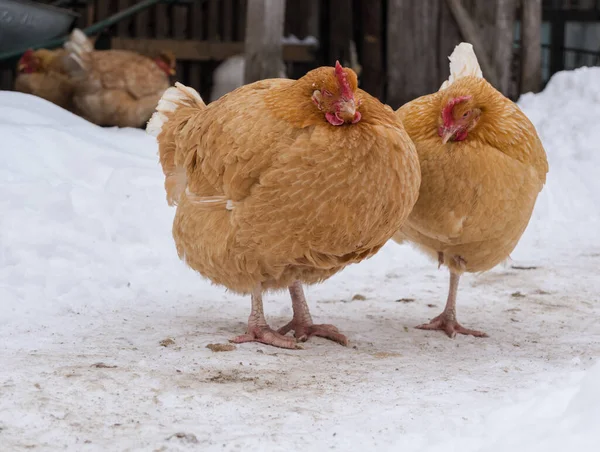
283,182
116,87
42,73
482,165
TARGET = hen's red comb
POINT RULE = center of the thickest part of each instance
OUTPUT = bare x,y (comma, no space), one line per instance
447,110
342,79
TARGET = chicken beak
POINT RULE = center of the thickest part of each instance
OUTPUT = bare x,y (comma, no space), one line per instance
21,67
347,110
172,71
447,135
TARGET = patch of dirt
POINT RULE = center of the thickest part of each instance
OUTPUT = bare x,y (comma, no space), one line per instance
167,342
359,297
188,438
405,300
103,366
517,295
221,347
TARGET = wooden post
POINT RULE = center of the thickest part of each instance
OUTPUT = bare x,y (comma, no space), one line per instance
502,54
471,33
263,47
340,32
372,50
412,57
531,46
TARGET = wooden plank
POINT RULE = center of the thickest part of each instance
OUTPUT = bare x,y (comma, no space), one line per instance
179,27
340,32
263,48
531,46
142,24
196,31
204,50
372,47
242,12
213,20
123,25
557,38
412,70
228,18
161,21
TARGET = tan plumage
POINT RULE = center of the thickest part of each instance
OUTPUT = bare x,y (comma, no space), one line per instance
42,73
269,193
115,87
477,195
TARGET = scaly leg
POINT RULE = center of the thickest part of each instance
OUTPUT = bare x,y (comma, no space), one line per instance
258,330
446,321
302,323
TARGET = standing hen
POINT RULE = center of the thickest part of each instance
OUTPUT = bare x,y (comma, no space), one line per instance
115,87
483,166
42,73
283,182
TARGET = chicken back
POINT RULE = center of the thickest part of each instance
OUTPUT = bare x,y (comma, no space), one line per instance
283,182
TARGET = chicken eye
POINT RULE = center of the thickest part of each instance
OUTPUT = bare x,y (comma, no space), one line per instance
466,114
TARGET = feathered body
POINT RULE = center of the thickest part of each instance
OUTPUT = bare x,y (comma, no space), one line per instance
43,74
270,192
115,87
482,165
477,195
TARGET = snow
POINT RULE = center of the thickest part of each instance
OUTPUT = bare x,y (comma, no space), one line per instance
91,286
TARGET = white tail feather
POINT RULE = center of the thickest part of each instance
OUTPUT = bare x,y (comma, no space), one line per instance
463,63
172,99
78,46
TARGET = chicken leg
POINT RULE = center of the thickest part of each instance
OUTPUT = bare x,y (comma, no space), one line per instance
302,323
258,329
446,321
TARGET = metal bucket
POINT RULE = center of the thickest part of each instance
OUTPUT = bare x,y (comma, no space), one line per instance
24,23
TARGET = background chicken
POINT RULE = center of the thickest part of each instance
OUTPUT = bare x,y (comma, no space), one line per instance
284,182
116,87
43,74
482,166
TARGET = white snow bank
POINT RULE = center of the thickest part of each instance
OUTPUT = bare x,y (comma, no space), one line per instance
566,115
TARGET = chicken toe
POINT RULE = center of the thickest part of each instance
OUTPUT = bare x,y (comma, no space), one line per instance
302,323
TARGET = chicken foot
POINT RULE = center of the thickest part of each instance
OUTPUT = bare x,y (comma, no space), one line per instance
302,323
446,321
258,329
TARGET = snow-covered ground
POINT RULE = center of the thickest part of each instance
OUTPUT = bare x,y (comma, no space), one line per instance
103,331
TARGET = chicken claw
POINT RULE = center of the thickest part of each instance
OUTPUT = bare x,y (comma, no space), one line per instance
266,335
259,331
446,321
450,326
302,324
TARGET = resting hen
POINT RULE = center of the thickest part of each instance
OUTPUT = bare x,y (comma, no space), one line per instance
483,166
42,73
283,182
116,87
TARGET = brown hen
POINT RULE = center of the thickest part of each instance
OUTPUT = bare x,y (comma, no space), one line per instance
284,182
116,87
483,166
